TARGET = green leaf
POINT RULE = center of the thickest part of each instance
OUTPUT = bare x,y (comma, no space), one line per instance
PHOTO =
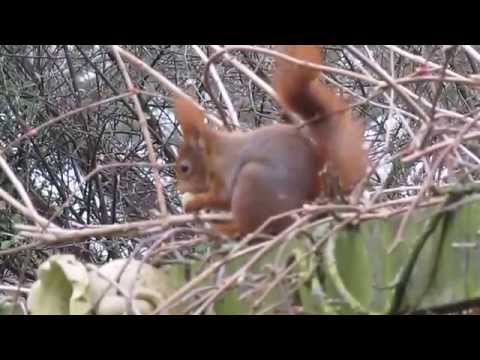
6,244
61,288
448,269
67,287
8,307
267,268
149,286
229,304
364,277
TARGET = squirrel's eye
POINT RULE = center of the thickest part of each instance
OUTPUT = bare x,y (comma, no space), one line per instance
184,167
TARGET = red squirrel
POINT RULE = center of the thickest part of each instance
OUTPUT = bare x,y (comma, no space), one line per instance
277,168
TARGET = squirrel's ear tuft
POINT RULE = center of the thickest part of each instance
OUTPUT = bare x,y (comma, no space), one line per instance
189,117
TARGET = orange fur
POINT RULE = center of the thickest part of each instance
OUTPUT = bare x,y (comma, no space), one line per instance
274,169
338,136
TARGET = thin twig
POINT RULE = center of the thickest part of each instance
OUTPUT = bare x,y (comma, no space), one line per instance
146,134
221,86
132,59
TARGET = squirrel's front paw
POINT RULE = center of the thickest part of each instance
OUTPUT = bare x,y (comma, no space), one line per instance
190,203
192,206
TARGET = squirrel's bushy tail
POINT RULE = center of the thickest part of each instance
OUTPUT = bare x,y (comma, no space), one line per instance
338,136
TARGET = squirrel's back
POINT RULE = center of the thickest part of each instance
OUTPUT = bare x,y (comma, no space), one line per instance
282,148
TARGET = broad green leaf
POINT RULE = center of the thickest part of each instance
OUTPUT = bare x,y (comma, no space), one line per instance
147,285
6,244
8,307
61,288
266,269
363,277
448,269
229,304
67,287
